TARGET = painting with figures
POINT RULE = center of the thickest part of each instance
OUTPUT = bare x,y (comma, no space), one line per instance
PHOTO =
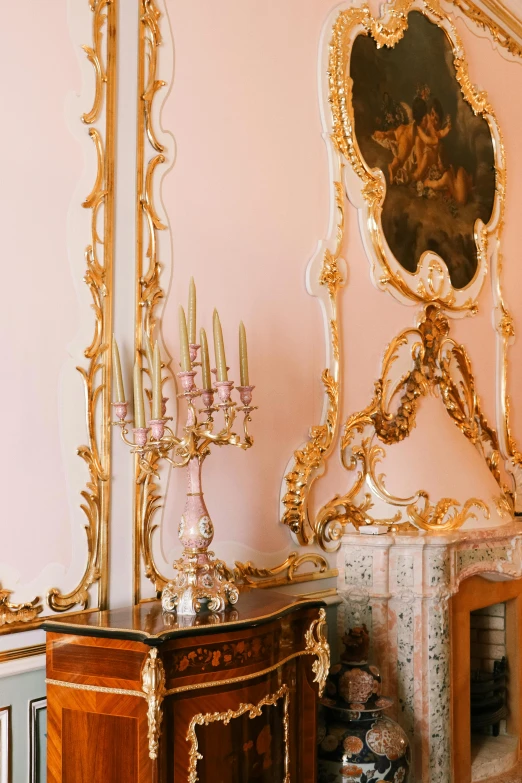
412,121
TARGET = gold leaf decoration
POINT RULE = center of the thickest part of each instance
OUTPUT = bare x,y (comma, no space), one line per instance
153,686
98,277
439,366
11,613
148,498
316,644
308,460
286,572
499,32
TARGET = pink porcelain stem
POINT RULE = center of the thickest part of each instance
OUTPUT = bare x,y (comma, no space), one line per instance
196,530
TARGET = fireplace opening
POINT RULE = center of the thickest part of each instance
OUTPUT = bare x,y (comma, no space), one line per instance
493,749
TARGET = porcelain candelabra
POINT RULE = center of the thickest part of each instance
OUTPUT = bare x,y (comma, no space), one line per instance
201,580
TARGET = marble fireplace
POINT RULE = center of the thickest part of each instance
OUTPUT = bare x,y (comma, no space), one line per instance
416,594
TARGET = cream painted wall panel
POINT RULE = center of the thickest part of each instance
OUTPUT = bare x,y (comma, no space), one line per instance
40,163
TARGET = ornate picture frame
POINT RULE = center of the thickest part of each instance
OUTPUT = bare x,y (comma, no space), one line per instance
429,286
369,189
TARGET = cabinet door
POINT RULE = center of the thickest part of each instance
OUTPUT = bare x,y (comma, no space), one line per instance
247,731
96,738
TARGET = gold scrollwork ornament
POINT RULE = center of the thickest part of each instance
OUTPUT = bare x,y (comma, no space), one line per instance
317,644
148,273
11,613
438,365
98,278
253,711
309,459
153,686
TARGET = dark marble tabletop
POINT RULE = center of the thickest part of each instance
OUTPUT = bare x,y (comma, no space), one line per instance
148,624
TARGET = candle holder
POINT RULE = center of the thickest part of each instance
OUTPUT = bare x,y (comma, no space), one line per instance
201,580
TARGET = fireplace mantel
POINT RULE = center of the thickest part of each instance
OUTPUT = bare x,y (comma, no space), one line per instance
400,586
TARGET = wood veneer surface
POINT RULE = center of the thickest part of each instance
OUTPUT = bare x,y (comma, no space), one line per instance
99,748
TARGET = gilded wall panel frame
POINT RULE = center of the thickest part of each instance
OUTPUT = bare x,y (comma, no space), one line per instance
100,122
153,159
495,20
97,375
326,274
151,165
431,284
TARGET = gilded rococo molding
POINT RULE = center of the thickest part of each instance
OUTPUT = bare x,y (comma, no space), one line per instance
151,165
500,31
436,364
366,188
151,157
432,284
286,572
325,277
99,279
153,686
11,613
317,644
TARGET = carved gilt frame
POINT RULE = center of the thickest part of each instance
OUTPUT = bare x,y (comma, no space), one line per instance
100,121
366,187
153,162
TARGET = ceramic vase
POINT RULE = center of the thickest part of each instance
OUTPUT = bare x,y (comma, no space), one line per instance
357,742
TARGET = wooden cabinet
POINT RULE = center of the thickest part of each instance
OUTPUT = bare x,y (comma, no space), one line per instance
137,696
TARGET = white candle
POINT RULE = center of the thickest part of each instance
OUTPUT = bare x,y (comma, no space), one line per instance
148,351
243,355
156,383
186,364
219,349
205,361
139,406
191,315
118,377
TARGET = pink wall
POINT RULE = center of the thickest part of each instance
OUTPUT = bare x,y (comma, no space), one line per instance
248,200
40,164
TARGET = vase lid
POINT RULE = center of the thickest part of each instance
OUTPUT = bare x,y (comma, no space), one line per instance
356,710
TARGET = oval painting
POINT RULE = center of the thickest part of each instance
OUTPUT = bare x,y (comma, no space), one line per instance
412,121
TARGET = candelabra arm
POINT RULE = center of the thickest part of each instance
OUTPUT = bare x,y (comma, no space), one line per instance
146,470
172,439
182,464
224,434
249,440
124,431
